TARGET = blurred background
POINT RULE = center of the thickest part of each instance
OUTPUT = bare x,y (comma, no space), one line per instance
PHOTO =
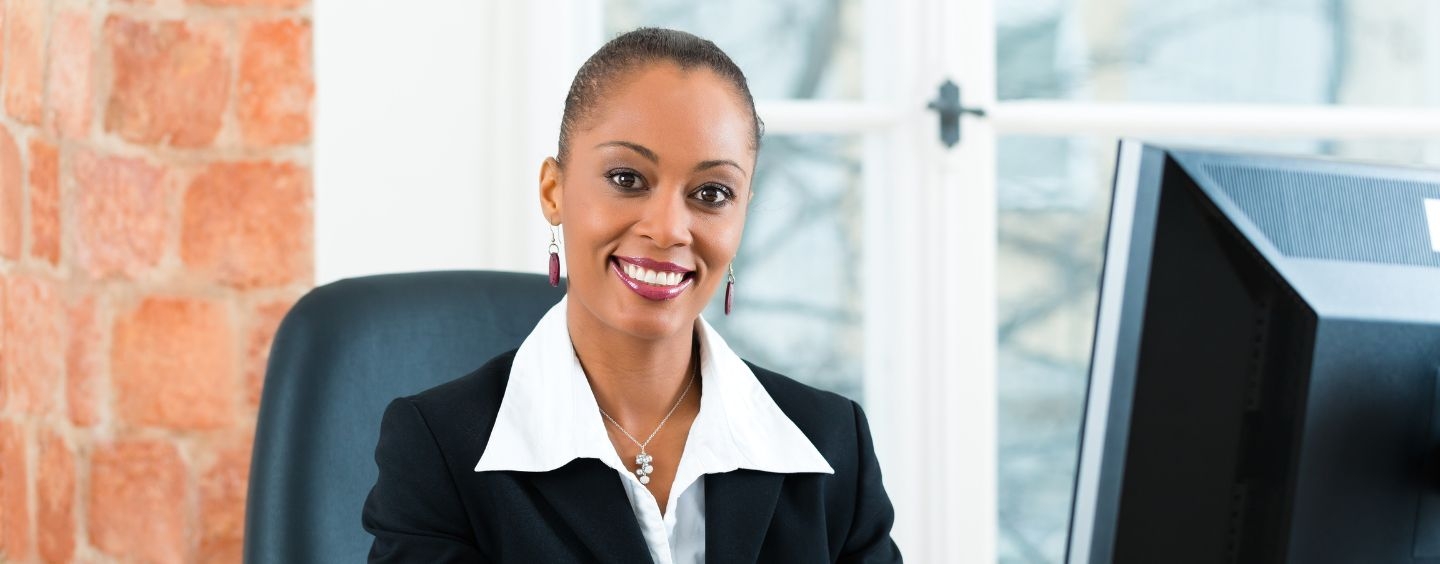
175,173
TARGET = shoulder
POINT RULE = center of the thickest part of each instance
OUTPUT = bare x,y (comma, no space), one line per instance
828,419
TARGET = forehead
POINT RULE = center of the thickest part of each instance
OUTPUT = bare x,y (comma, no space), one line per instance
688,115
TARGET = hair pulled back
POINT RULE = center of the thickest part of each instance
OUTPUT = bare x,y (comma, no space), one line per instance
634,49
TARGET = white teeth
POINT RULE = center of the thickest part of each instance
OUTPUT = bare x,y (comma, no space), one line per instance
653,277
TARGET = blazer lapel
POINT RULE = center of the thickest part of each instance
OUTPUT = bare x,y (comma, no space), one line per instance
738,508
588,496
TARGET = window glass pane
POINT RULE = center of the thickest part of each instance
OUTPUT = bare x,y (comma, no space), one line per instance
798,308
1349,52
789,49
1054,197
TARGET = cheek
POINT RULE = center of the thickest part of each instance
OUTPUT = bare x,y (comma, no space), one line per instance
722,238
591,221
732,228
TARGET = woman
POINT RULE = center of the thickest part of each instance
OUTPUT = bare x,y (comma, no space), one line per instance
624,429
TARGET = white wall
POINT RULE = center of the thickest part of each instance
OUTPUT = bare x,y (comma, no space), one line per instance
427,148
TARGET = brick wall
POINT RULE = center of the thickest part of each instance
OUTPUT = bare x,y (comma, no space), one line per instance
155,224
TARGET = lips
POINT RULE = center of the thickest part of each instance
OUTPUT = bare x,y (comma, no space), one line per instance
652,279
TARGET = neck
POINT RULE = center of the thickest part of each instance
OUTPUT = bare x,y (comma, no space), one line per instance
635,380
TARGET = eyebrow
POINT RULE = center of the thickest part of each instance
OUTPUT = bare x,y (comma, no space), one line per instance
652,157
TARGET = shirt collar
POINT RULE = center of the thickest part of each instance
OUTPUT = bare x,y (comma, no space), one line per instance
548,415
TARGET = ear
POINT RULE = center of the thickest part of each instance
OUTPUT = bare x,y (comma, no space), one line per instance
551,196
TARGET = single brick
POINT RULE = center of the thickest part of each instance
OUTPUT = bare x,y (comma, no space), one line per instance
44,201
83,355
2,43
276,83
12,196
173,364
121,215
25,63
171,81
137,501
14,501
33,363
55,508
249,224
222,501
72,55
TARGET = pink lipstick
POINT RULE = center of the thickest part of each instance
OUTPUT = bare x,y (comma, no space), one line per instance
652,279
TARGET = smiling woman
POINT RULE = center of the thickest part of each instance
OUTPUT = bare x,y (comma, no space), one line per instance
657,184
525,459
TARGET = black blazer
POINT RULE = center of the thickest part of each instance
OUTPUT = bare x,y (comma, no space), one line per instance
429,505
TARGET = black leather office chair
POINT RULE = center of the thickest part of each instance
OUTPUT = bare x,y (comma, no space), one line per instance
341,354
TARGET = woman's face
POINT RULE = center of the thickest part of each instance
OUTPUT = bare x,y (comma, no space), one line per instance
652,199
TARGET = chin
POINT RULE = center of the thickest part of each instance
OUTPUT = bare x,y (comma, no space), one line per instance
653,323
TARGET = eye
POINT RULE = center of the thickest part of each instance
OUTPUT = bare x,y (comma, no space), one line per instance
626,179
714,195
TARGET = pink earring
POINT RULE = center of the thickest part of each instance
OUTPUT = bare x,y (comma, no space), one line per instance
730,291
554,259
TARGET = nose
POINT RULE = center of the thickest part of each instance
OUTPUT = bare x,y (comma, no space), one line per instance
665,219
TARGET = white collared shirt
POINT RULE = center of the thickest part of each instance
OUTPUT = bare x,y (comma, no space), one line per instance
549,417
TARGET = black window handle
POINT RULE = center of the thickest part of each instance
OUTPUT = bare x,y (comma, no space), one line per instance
947,104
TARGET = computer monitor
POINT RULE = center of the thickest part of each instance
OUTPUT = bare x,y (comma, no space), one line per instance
1265,385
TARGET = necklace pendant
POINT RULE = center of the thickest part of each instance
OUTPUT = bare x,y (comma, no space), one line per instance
645,469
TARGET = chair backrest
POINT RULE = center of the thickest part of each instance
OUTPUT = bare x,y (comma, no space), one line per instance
341,354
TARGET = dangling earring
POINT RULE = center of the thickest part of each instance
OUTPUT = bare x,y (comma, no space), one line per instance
554,259
730,290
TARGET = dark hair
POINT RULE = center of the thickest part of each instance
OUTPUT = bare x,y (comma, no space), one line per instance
634,49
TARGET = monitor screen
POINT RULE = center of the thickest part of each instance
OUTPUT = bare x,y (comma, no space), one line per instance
1265,384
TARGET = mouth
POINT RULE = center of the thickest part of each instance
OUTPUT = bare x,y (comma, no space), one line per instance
651,279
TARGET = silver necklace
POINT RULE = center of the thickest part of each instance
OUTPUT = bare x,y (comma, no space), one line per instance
643,460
